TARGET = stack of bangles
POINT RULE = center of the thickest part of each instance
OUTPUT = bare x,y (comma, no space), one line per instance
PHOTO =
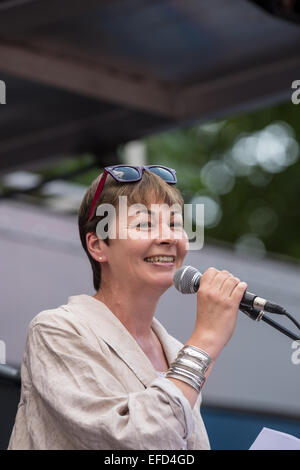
190,366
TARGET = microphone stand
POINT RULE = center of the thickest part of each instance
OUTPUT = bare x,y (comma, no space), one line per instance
258,315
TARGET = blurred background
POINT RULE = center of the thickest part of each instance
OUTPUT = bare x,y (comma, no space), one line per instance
202,87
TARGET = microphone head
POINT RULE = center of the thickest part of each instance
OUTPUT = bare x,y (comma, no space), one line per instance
185,279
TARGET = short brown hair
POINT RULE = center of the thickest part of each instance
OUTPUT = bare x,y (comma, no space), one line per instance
144,191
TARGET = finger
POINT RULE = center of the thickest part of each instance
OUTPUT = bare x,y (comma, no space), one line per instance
219,279
239,290
229,284
209,275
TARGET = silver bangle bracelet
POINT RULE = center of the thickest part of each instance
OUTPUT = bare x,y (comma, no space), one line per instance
178,374
195,377
190,366
194,366
197,354
185,379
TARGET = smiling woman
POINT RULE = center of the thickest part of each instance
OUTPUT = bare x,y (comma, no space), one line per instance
150,189
101,372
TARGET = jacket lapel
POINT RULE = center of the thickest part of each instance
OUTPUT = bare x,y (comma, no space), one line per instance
105,325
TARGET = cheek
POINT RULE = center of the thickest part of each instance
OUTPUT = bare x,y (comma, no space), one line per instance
182,253
137,250
183,246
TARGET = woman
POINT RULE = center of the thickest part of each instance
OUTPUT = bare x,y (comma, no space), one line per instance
101,372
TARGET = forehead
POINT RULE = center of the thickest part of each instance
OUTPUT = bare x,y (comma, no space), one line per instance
154,210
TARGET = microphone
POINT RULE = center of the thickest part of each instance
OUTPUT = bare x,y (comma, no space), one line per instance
187,281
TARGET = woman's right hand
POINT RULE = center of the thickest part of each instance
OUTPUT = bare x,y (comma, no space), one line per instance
218,300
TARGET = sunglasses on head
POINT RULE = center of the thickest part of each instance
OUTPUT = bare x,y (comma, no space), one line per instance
131,174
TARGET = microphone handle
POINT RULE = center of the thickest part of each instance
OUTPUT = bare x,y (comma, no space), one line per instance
248,300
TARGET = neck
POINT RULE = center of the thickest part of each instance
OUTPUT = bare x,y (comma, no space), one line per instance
134,308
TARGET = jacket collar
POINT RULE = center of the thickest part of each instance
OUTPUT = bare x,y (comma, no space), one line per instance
105,325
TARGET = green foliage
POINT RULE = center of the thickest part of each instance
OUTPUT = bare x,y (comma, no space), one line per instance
71,164
255,184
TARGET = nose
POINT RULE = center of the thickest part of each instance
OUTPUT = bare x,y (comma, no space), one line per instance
165,235
167,241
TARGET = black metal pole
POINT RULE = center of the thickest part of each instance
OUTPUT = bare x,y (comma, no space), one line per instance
280,328
258,315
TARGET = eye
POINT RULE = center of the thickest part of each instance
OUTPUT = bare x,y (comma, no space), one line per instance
144,225
177,224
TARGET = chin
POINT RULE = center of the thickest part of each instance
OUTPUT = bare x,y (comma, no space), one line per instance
163,282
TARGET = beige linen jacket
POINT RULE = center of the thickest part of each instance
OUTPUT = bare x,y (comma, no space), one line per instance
87,384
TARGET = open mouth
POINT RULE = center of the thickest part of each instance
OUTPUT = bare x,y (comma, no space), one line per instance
161,259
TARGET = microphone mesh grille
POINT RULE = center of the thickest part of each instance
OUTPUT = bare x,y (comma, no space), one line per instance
183,279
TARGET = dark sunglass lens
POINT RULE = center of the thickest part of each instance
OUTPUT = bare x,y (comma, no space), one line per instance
125,173
163,173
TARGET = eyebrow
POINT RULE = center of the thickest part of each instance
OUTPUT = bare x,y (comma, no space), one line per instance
143,211
149,212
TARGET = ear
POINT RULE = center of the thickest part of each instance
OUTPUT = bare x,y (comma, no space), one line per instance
96,247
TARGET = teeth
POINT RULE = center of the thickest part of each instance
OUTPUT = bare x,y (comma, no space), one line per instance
161,259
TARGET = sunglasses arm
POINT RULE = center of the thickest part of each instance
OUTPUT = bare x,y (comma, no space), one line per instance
97,194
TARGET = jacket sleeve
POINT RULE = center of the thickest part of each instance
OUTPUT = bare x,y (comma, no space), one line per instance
77,384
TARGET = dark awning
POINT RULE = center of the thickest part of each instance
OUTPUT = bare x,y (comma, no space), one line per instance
89,75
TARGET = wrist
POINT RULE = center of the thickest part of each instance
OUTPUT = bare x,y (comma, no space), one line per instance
207,342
